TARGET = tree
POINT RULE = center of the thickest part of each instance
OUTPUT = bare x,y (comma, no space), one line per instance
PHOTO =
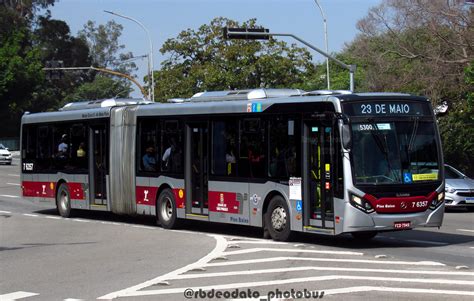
457,130
101,87
26,9
103,42
202,60
418,46
20,71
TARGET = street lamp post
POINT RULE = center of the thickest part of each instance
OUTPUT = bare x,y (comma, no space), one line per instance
151,90
325,41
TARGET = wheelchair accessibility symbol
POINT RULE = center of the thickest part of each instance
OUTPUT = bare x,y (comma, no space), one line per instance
407,177
299,205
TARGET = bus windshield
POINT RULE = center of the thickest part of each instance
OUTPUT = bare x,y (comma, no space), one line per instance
400,152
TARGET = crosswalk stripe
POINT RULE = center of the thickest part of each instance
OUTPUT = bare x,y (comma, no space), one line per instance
16,296
255,250
309,268
295,280
273,259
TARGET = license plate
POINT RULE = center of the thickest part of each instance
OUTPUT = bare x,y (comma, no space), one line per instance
470,200
402,225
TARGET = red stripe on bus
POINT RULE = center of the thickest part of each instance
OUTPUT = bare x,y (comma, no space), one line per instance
76,190
225,202
38,189
401,204
146,195
180,197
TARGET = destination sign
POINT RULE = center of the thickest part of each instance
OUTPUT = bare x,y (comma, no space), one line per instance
384,108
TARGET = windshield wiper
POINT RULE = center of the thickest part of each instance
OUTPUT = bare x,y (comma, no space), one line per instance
382,144
416,122
411,142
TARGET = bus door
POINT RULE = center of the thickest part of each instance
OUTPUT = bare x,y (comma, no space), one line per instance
318,173
197,168
98,164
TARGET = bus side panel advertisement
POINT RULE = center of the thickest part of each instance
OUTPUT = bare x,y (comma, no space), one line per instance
225,202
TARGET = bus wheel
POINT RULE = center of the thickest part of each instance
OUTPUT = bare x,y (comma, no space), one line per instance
277,219
367,235
166,210
63,201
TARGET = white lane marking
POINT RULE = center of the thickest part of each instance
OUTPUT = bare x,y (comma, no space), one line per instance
14,184
221,244
255,250
144,227
12,175
265,242
358,289
80,220
53,217
465,230
309,268
7,212
273,259
72,299
31,215
9,196
436,243
16,296
295,280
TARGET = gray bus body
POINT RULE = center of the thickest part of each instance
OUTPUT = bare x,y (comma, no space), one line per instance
321,192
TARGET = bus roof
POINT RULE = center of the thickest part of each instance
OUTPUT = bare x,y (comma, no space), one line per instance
215,102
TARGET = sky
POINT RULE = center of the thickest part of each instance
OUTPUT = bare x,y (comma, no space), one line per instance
165,19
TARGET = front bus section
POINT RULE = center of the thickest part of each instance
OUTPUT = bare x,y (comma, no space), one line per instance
393,169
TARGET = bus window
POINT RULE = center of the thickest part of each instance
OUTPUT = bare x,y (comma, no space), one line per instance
79,150
148,150
62,146
252,152
172,146
284,147
29,143
224,148
44,151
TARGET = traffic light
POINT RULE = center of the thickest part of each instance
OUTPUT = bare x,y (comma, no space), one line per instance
52,71
240,33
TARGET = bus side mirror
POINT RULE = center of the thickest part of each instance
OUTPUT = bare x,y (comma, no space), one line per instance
346,136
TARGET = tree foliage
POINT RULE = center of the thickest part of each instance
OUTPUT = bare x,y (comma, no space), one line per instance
201,60
418,46
104,46
101,87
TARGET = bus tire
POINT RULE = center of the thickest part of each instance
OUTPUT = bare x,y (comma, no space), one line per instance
63,201
277,219
166,210
364,236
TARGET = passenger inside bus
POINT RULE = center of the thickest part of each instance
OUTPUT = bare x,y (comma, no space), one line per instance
81,153
63,147
168,155
230,161
148,160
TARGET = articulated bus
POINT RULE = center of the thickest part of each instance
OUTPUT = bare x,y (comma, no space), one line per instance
285,160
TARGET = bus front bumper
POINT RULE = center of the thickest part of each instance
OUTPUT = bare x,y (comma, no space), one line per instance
356,220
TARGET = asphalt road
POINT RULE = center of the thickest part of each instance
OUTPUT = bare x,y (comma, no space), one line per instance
101,255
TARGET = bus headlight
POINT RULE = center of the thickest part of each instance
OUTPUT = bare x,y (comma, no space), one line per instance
437,200
361,204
